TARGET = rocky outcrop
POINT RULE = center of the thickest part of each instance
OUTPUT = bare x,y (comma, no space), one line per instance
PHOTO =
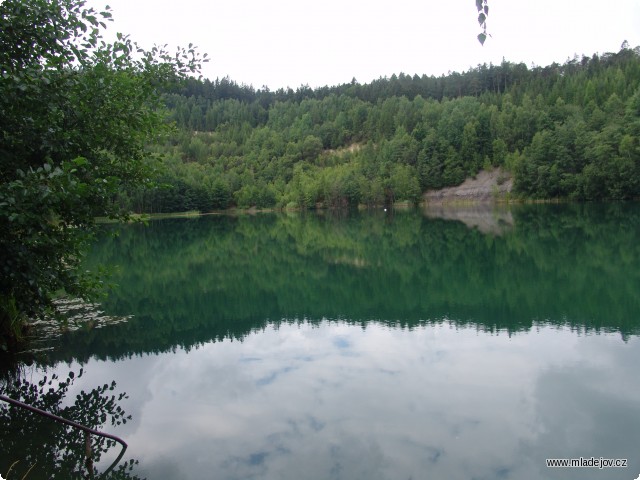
487,186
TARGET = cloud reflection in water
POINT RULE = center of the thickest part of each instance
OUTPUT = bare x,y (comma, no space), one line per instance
431,402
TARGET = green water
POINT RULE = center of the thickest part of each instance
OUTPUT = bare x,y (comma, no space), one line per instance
454,344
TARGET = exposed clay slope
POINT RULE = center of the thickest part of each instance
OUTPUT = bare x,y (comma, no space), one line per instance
487,186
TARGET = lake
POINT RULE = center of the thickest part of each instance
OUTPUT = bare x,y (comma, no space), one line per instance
464,343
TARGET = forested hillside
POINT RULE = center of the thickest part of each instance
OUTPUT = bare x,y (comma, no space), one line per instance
568,131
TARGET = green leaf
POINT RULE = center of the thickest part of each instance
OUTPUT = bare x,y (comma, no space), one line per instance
482,18
482,37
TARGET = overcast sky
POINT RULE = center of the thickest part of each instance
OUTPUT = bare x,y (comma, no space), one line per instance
282,43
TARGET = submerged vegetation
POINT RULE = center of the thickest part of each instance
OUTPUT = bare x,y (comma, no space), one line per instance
563,131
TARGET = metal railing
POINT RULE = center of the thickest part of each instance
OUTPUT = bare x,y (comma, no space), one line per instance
88,431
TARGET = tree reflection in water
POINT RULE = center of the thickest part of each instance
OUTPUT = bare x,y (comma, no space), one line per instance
34,446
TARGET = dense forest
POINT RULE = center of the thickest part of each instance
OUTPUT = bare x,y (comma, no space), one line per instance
562,131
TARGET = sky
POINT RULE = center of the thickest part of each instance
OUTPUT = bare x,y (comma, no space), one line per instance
289,43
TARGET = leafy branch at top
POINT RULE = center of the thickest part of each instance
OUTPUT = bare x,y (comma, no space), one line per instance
483,13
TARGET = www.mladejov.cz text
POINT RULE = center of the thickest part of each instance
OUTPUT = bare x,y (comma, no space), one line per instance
589,462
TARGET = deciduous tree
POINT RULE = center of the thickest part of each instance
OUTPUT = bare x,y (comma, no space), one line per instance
75,115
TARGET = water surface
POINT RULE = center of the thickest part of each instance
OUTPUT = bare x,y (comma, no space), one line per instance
365,346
